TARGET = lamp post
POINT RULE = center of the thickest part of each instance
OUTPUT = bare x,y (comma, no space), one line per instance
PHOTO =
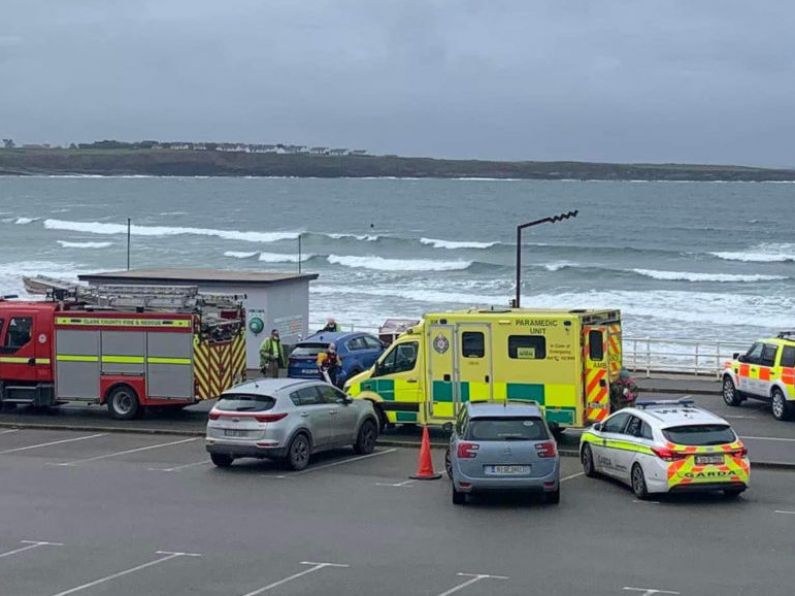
519,228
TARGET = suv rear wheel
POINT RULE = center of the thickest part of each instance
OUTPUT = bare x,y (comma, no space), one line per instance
730,394
782,408
365,440
298,452
222,460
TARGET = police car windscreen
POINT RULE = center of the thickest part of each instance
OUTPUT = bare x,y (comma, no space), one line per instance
241,402
700,434
308,350
507,429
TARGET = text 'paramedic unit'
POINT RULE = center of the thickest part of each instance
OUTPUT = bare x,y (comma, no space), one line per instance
125,346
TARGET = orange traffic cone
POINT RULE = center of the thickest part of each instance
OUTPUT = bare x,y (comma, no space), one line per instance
425,464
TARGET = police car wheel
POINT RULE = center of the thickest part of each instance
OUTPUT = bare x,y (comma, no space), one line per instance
459,498
782,409
639,483
586,457
730,394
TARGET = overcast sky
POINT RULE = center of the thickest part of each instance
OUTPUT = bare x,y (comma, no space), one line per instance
604,80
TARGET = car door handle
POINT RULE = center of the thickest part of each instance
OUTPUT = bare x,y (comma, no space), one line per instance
304,414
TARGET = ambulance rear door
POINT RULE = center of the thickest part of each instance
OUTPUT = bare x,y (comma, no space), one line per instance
596,375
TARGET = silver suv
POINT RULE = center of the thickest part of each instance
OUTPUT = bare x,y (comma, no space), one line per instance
503,446
289,420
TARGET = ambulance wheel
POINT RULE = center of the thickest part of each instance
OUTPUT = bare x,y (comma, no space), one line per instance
588,467
222,460
782,409
123,403
639,483
459,498
730,394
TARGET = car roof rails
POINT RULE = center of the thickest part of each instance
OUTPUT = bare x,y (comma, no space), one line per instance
662,403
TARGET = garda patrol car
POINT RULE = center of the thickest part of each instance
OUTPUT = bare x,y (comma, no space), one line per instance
565,360
667,446
767,372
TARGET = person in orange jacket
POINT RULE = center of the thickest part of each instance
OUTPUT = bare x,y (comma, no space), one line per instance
329,364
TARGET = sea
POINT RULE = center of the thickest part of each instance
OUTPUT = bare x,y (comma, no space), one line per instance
683,260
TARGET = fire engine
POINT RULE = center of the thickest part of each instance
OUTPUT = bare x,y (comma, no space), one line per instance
129,347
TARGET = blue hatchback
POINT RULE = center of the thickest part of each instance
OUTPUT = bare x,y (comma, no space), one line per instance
358,352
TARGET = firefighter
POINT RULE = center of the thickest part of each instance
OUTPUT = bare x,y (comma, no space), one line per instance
271,355
329,364
331,326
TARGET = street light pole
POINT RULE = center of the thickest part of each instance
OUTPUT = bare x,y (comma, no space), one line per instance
519,228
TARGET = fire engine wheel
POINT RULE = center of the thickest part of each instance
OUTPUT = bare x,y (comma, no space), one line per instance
298,452
782,409
586,457
730,394
123,403
639,483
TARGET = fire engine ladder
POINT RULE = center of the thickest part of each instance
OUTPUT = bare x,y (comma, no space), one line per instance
128,297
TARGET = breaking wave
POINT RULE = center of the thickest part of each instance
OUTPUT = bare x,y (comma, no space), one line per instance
710,277
382,264
452,245
25,220
267,257
95,227
761,253
67,244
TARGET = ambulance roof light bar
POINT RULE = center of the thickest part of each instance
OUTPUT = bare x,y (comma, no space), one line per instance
661,403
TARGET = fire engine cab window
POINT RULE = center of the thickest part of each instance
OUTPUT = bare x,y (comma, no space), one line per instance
595,347
18,332
787,356
473,344
768,355
527,347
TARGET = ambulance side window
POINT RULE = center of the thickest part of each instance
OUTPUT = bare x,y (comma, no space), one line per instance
769,355
787,356
473,344
527,347
596,349
18,333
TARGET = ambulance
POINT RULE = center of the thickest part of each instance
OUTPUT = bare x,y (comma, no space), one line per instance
765,372
565,360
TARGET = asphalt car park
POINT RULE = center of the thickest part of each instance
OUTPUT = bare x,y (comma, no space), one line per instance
102,513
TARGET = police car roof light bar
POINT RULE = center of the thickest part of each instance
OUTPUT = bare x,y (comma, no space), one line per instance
652,403
786,334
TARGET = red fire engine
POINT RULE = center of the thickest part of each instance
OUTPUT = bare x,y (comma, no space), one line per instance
125,346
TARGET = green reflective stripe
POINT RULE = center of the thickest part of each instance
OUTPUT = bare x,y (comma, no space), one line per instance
626,446
526,391
70,358
560,415
123,359
157,360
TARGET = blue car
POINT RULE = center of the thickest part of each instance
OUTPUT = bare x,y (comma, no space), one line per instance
358,352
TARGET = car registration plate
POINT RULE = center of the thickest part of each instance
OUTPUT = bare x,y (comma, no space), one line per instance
709,460
234,433
508,470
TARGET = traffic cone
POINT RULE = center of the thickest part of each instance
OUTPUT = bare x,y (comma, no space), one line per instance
425,463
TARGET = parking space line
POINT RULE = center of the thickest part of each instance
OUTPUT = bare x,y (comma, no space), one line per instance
785,512
182,467
5,432
770,439
650,591
473,578
168,556
572,476
395,484
31,544
126,452
61,442
281,582
337,463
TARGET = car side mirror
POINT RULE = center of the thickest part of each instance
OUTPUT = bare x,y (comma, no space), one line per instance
597,426
742,358
736,356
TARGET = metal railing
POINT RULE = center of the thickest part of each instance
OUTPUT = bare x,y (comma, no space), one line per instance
648,355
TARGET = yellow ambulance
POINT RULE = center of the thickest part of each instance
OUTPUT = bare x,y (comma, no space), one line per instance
563,359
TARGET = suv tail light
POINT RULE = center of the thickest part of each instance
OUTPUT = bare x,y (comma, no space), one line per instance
270,417
666,454
546,449
468,450
214,415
